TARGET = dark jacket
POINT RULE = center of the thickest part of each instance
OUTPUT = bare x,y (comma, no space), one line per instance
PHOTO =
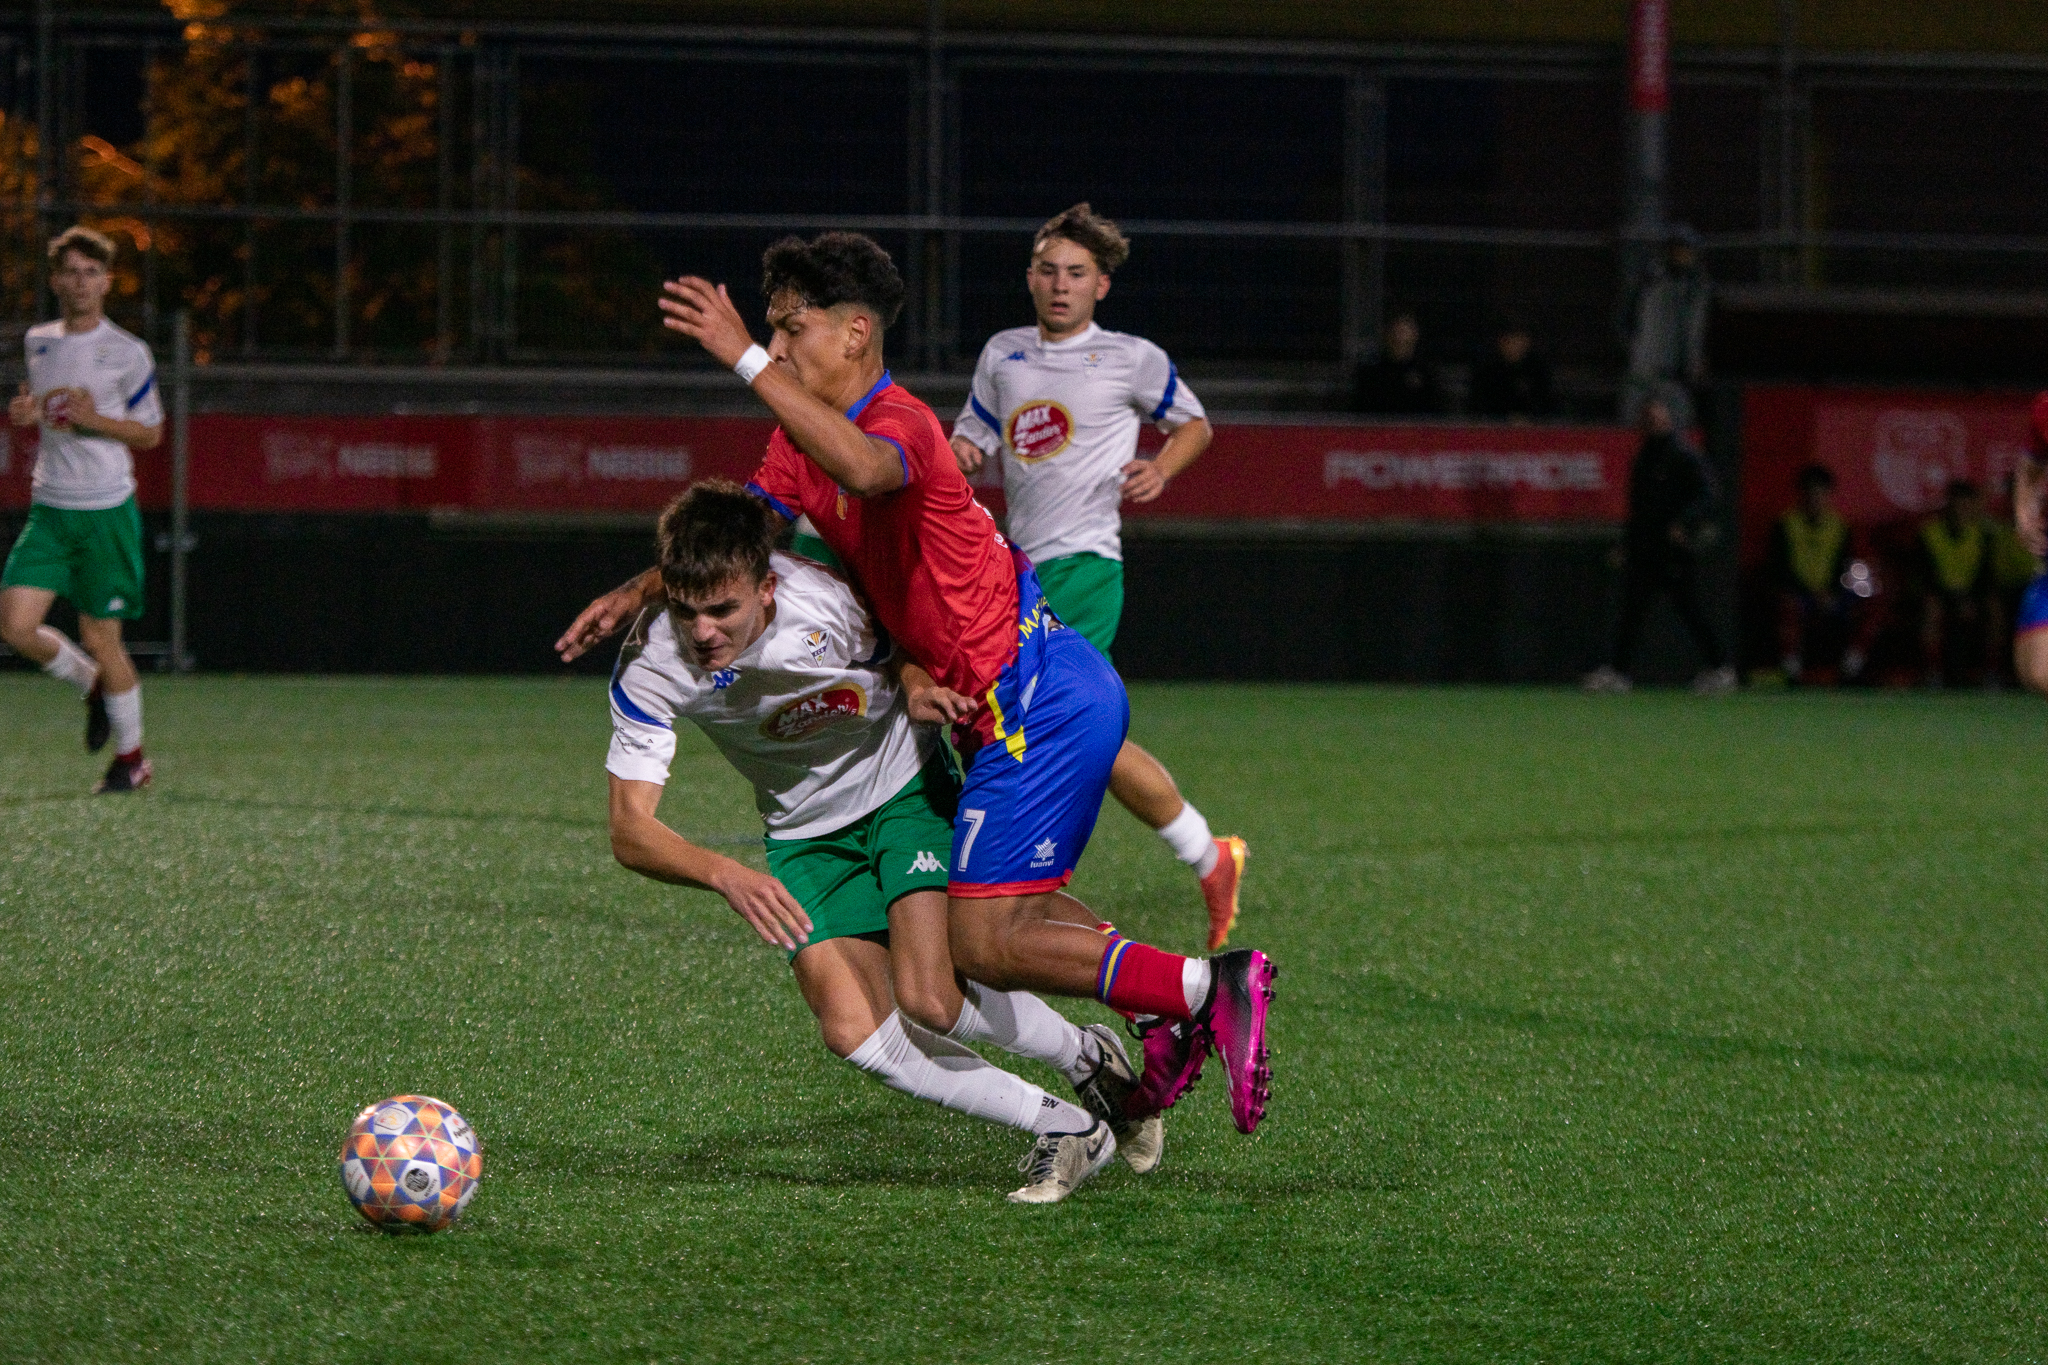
1396,388
1669,485
1503,390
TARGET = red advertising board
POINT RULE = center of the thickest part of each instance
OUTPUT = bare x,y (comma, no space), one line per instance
1269,472
1893,453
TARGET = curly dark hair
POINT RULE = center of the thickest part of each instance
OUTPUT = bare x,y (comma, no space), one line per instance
714,532
834,268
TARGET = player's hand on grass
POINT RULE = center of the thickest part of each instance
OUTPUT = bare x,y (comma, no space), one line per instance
23,410
1143,481
766,904
703,310
968,455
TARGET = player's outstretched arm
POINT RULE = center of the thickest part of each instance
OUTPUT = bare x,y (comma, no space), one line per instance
857,462
608,615
640,841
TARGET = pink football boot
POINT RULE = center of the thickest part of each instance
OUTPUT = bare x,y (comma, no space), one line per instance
1235,1016
1174,1053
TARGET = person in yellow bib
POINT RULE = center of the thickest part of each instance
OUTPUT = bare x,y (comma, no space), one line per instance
92,390
1955,572
1820,620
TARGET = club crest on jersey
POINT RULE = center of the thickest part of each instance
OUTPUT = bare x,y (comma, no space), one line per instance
1038,431
806,716
1091,360
814,645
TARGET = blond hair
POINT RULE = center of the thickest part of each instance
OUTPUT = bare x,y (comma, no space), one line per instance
87,242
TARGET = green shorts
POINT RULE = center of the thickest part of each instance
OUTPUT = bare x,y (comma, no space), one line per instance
1087,592
847,880
92,559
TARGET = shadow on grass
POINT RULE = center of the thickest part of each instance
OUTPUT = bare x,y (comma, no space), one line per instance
1394,1001
879,1153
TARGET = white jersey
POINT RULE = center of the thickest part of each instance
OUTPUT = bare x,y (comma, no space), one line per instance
809,713
1065,416
73,470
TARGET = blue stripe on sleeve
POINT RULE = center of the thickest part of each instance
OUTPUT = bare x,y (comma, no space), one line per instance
984,414
631,710
899,453
142,392
769,498
1172,387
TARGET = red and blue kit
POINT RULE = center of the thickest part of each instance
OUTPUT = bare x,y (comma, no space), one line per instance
928,556
967,606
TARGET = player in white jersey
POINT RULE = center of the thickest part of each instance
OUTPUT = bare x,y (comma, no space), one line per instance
1061,403
91,387
779,664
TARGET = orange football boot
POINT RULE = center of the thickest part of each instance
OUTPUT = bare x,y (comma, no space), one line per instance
1219,889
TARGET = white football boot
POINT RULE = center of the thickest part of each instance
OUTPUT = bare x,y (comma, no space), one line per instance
1058,1163
1102,1093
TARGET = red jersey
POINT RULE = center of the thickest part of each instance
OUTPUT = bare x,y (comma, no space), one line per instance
927,556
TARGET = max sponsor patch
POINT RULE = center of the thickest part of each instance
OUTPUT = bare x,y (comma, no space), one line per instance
807,715
1038,431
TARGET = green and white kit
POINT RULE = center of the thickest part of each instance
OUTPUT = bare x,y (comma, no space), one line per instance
1064,419
83,540
857,813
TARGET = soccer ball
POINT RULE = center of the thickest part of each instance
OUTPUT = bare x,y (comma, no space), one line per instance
411,1161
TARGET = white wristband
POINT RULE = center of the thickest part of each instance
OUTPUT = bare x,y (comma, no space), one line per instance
751,364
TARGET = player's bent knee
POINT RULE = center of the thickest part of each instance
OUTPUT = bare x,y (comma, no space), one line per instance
2030,660
933,1007
844,1037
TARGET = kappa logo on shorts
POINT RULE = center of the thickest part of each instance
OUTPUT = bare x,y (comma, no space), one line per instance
1042,855
926,862
117,603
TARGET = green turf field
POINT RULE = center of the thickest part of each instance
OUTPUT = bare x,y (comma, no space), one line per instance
1646,1028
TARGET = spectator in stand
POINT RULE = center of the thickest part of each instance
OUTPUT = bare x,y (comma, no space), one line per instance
1819,618
1671,497
1667,333
1398,384
1956,580
1514,382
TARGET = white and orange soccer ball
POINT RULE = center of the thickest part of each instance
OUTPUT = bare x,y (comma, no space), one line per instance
411,1161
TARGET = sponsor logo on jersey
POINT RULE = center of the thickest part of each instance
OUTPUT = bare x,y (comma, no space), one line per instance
814,645
1042,854
926,862
806,716
1038,431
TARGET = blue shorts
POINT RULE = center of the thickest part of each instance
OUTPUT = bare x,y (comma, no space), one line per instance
1055,718
2033,607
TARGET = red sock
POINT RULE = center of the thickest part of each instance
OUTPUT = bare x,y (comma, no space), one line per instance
1141,979
133,756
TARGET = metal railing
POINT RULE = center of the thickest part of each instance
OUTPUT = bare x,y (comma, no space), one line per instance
478,202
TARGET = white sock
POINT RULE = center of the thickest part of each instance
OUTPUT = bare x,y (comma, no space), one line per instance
1196,976
919,1063
72,664
1019,1022
124,713
1187,834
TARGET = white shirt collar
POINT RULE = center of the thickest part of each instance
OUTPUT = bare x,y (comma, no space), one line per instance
1080,338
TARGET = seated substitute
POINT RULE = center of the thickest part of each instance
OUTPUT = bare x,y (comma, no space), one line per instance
1808,559
1954,570
776,661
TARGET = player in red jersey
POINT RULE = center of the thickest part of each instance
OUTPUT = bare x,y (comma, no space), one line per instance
1039,714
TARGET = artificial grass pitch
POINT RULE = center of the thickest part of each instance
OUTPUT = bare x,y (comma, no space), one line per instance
1644,1028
